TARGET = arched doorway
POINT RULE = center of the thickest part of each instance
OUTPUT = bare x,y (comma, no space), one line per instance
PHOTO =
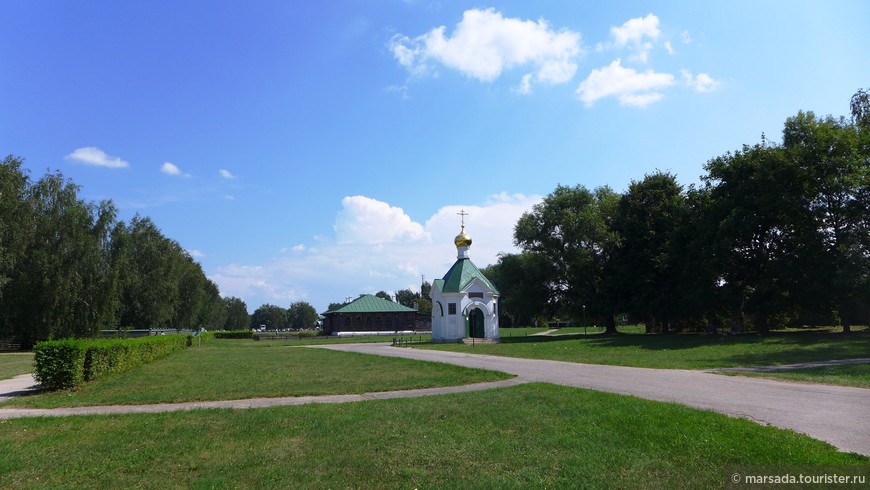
476,324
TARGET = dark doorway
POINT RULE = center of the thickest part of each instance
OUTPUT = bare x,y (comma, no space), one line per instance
475,324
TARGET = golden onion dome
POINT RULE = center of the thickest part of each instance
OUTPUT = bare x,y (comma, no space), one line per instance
462,239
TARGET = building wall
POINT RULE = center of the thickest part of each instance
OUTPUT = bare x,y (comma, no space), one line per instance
375,322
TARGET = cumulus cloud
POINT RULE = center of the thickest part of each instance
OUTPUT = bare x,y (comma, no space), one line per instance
195,253
638,34
376,247
170,168
226,174
485,43
629,86
90,155
365,220
701,82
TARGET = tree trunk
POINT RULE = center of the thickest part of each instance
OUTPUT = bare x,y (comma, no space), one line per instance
609,325
845,319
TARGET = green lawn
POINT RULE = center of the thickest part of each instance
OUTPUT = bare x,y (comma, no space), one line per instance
14,363
348,340
688,351
530,436
238,369
519,331
849,375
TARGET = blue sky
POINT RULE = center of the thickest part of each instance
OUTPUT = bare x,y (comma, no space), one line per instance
309,151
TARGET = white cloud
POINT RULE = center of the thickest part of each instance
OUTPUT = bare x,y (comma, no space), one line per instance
90,155
485,43
195,253
634,30
628,85
669,48
226,174
637,34
376,247
365,220
701,82
170,168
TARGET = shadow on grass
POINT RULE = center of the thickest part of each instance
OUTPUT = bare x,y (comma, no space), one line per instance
737,350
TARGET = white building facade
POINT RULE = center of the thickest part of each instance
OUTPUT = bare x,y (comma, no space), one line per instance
464,301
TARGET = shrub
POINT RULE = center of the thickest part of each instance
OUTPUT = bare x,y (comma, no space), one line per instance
234,334
64,364
60,364
106,357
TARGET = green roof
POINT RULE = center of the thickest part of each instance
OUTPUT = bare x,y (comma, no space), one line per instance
369,303
460,275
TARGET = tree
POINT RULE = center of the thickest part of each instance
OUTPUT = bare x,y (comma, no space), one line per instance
522,281
572,230
61,285
757,201
301,315
269,316
151,268
15,214
860,108
384,295
406,297
646,269
237,314
830,154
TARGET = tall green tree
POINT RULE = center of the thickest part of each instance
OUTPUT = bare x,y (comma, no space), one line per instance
269,316
15,232
522,281
301,315
834,163
572,229
62,285
151,267
237,314
757,201
646,269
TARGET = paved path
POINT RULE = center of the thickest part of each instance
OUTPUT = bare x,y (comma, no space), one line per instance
19,385
835,414
838,415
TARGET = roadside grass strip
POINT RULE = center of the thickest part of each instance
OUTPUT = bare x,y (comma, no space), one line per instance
14,363
242,369
679,351
532,435
857,375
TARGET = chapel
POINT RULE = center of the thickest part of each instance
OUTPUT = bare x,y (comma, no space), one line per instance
464,301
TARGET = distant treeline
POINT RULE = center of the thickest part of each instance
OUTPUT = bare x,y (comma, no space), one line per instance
777,234
68,268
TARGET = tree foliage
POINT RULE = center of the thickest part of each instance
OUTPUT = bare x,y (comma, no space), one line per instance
778,234
237,314
572,229
301,315
68,268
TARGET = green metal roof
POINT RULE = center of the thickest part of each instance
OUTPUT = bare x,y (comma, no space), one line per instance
461,274
370,304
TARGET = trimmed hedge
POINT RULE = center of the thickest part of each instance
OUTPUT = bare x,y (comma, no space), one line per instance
60,364
234,334
64,364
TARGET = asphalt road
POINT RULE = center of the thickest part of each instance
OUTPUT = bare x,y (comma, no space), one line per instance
835,414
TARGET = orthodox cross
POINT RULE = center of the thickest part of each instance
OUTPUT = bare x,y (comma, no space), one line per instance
462,215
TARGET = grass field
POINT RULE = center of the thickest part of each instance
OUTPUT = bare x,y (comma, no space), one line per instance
533,435
849,375
238,369
14,363
689,351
